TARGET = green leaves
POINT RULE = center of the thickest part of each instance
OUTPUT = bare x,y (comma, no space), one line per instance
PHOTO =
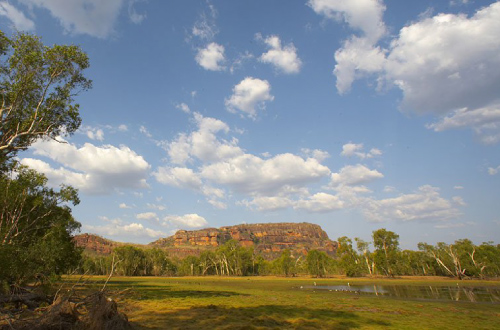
38,85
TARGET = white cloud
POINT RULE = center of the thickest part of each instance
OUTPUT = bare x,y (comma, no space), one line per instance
485,122
249,96
357,58
158,207
205,27
320,202
187,220
203,143
184,107
145,131
17,17
251,174
118,228
92,169
95,134
493,170
211,57
319,155
364,15
124,206
459,201
283,58
458,187
268,203
181,177
147,216
354,175
353,149
447,65
123,128
134,16
93,17
424,204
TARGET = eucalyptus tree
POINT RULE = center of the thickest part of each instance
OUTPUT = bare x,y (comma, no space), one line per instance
38,85
387,252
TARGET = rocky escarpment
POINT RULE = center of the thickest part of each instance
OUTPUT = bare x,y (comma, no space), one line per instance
269,239
95,244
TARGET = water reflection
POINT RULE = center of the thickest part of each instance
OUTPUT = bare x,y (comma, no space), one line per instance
456,293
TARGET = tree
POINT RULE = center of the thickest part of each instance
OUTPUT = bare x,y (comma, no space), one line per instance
386,245
285,264
37,89
348,257
317,263
36,228
362,247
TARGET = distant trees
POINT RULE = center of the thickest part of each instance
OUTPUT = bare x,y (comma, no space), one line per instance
461,259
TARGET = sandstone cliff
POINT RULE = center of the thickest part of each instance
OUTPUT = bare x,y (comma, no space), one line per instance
268,239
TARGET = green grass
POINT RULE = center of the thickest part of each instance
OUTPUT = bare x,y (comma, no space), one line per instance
278,303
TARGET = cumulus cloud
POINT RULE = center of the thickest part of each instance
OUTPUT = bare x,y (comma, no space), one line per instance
117,228
147,216
251,174
222,163
185,221
362,15
357,58
353,149
94,133
124,206
283,58
181,177
17,17
92,169
93,17
248,96
320,202
424,204
354,175
203,143
211,57
268,203
447,65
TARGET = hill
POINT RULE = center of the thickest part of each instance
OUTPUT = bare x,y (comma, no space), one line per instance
268,239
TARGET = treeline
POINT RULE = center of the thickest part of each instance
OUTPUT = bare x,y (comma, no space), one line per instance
461,259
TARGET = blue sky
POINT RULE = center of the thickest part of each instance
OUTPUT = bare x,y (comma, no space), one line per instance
354,115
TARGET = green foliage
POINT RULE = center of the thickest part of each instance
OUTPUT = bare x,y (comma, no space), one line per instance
387,252
35,228
285,264
349,261
318,263
37,87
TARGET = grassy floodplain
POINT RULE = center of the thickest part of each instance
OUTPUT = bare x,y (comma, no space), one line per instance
279,303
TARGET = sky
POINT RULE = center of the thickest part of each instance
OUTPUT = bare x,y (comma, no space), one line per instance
353,115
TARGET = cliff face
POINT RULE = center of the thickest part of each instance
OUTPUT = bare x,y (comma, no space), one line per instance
95,244
268,238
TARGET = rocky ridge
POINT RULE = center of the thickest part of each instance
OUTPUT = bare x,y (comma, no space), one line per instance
268,239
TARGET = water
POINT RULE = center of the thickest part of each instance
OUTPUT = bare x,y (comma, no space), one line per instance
455,293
